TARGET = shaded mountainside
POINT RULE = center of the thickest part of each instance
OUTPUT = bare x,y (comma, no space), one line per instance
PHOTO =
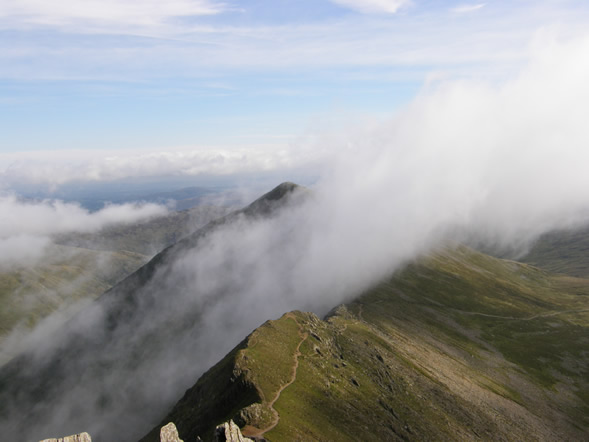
66,275
563,251
148,237
458,346
115,368
85,265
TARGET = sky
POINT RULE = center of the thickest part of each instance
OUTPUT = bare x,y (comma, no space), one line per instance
192,87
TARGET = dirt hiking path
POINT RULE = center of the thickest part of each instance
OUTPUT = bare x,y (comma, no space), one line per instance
259,432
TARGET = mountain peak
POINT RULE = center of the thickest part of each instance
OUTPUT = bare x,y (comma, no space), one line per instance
280,191
277,197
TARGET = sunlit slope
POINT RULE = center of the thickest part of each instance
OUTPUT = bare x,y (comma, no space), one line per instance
458,346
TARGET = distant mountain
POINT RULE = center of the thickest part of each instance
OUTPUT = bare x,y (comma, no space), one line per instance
189,197
458,346
94,195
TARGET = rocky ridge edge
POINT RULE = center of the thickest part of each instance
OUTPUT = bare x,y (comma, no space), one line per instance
226,432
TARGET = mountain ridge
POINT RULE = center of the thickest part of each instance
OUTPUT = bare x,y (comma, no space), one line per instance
415,375
132,328
456,345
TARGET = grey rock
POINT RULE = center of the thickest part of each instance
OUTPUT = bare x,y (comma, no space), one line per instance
257,415
230,432
169,433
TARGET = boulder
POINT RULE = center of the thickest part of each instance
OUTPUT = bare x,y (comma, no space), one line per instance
230,432
169,433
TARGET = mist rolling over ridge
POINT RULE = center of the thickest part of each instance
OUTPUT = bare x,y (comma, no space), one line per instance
500,163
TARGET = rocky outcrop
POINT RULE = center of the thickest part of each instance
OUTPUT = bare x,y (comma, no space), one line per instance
169,433
82,437
230,432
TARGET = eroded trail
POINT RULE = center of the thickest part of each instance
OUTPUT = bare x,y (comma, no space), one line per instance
255,432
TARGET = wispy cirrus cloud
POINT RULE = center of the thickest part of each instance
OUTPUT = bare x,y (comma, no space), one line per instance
23,13
120,79
462,9
373,6
422,39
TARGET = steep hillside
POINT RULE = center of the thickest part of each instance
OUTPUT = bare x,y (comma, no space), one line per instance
148,237
85,265
563,251
458,346
66,275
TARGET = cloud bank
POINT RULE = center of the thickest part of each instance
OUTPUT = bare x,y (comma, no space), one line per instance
26,227
502,162
57,168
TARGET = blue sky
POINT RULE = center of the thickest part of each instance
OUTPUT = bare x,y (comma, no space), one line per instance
121,75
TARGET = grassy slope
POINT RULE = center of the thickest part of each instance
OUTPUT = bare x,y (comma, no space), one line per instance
84,266
32,387
458,346
67,274
527,331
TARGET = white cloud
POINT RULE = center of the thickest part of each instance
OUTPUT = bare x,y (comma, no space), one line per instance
49,217
468,8
21,250
26,227
373,6
56,168
106,12
423,41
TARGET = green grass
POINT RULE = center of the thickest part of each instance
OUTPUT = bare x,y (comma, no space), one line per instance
495,299
65,276
436,352
270,354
